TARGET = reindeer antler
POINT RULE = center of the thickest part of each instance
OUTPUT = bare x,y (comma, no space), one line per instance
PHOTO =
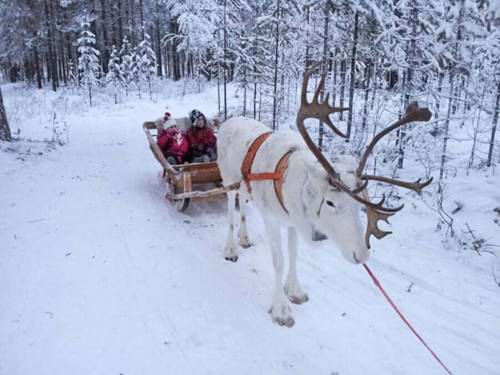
416,186
322,111
413,113
315,109
375,211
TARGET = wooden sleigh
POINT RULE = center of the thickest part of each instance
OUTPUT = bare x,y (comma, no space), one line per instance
186,182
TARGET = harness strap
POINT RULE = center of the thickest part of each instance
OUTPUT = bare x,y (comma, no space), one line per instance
276,176
246,165
281,167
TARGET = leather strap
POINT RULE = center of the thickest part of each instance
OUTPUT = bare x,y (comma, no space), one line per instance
246,165
281,168
276,176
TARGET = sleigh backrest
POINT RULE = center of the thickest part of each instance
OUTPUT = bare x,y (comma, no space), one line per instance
184,123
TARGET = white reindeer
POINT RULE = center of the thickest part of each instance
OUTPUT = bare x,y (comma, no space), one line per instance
308,193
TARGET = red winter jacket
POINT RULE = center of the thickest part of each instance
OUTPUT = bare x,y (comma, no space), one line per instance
174,143
201,140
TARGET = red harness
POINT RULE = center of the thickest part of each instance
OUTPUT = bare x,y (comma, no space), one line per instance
276,176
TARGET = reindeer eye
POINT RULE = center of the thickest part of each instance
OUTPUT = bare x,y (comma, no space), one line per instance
330,203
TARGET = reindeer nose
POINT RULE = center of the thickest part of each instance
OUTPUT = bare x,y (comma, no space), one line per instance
364,258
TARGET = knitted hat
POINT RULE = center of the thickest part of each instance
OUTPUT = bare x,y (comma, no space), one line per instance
194,115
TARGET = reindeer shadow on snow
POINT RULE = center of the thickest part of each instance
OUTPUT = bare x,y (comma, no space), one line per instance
292,184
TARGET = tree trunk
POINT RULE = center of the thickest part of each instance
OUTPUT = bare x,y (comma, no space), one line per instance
5,134
132,23
47,64
128,32
255,79
352,75
326,14
51,59
465,88
120,22
244,92
105,40
374,84
225,60
446,131
37,68
307,37
93,25
175,57
158,41
218,90
494,128
334,88
166,61
470,164
409,86
342,85
141,6
63,65
90,94
260,101
368,72
28,73
438,104
276,60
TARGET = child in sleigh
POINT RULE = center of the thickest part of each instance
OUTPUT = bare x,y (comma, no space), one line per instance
173,143
197,145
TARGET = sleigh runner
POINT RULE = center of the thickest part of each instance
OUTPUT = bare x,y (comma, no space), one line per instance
186,182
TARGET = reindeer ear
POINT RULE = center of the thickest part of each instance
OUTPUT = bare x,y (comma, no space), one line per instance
311,187
313,192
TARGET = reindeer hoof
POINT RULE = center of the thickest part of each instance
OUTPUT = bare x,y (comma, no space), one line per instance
298,300
233,258
282,316
297,296
284,322
246,244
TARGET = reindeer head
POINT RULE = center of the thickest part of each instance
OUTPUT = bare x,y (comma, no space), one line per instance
343,189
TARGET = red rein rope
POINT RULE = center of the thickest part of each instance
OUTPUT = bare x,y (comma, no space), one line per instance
378,285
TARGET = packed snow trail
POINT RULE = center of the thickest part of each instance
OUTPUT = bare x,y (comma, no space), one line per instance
100,275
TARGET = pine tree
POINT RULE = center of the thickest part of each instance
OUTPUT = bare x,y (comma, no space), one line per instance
114,77
126,64
137,69
148,58
88,60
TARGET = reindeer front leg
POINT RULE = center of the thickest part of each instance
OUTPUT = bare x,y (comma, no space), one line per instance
292,286
280,309
230,251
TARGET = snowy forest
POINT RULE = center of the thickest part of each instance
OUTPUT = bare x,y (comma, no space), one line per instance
78,79
446,52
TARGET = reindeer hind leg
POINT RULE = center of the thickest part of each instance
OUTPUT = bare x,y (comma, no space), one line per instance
243,232
230,250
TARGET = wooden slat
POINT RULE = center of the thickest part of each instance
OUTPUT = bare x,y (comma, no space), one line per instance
147,127
204,194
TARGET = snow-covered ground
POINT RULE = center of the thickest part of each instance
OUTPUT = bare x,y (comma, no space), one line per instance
100,275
